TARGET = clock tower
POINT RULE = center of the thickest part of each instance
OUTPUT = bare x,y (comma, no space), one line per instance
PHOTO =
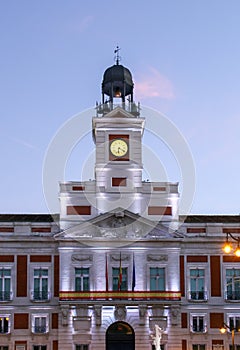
118,131
118,185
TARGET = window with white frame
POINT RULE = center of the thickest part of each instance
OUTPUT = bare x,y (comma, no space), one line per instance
4,324
234,322
157,278
82,279
40,284
198,323
39,347
197,284
5,284
40,323
81,347
198,346
233,284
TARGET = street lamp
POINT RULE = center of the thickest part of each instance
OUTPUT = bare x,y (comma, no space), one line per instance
223,330
227,248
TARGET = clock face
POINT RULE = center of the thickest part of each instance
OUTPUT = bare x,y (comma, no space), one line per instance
119,147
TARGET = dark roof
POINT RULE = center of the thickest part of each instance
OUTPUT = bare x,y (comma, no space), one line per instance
55,217
29,217
210,218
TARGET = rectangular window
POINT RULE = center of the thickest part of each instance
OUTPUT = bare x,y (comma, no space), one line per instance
198,324
197,284
234,322
78,188
162,347
40,288
233,284
40,324
156,210
119,282
39,347
5,284
198,347
3,347
157,278
119,182
79,210
81,347
4,324
81,279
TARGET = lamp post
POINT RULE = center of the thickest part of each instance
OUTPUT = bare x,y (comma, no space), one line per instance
227,248
223,330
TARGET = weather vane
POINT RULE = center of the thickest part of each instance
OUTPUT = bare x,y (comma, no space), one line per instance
117,57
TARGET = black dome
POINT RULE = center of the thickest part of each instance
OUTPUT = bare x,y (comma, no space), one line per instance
117,82
117,73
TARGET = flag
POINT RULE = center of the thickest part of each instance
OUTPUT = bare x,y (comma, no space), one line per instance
120,273
133,275
106,274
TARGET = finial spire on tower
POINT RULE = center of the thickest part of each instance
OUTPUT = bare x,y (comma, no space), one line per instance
117,57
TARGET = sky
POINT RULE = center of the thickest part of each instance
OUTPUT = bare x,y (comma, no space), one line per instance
184,57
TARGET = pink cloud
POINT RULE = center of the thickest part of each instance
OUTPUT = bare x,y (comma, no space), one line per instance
154,84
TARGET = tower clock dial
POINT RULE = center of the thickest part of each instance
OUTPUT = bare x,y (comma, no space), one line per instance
119,147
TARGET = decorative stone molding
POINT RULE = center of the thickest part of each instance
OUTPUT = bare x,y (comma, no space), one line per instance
175,315
120,312
116,257
65,314
97,309
82,323
142,314
78,257
157,257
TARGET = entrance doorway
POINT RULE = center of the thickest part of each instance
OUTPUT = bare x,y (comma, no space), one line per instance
120,336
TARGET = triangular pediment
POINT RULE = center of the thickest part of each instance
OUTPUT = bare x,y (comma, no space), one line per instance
118,224
118,112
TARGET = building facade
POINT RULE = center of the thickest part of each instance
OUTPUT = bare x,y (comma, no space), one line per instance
118,268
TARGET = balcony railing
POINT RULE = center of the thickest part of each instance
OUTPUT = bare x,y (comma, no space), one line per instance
197,295
232,295
39,329
5,296
130,107
199,329
39,296
126,295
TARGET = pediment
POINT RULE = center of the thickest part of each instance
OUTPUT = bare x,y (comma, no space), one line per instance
118,224
118,112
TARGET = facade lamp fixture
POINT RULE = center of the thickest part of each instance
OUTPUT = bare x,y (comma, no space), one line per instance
224,329
228,247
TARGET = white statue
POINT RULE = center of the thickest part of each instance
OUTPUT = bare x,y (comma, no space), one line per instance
157,337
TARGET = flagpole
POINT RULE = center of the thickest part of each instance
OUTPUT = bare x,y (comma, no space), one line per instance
120,273
106,273
133,275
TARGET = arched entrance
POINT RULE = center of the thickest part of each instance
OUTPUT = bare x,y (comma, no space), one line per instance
120,336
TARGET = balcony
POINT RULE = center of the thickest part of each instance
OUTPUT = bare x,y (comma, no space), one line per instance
232,296
93,296
5,296
40,329
40,296
198,329
197,296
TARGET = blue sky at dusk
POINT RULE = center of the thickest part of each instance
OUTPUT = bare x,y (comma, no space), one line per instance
184,57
